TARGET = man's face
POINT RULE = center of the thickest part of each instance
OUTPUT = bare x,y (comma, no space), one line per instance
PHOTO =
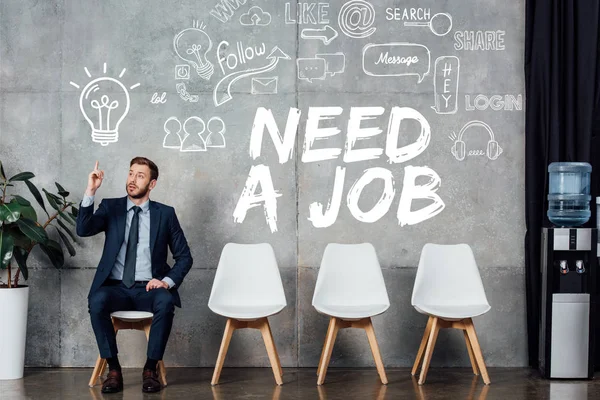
138,181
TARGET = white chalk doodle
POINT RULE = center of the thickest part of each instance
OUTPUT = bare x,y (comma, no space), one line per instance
264,85
479,40
193,140
440,24
255,17
459,148
496,102
396,59
181,89
192,45
307,13
172,139
325,34
445,84
215,138
320,66
356,19
182,71
224,9
222,90
104,103
156,99
242,55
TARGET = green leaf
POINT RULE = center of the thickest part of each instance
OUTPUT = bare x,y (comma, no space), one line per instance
61,190
54,252
66,218
52,200
21,200
21,257
2,174
29,213
62,225
21,240
10,212
36,193
74,211
22,176
6,248
34,232
68,244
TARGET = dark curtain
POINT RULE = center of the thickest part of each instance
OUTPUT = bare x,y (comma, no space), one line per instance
562,118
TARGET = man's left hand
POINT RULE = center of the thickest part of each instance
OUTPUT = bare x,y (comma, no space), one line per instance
156,284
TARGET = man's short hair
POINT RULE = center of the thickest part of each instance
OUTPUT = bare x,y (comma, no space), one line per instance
147,162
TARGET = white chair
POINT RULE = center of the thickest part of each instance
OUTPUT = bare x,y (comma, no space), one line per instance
449,290
350,290
247,289
136,320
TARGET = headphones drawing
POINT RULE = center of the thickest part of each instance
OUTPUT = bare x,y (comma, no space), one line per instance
459,148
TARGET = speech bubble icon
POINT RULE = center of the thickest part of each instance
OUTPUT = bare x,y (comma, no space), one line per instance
445,84
396,59
335,63
311,68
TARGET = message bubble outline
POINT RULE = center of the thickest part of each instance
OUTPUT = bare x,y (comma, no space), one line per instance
403,44
334,56
321,60
435,107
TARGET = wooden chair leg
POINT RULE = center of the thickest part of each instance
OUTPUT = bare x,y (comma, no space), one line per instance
160,368
328,348
435,329
375,350
271,350
471,355
323,351
477,349
97,373
229,328
421,351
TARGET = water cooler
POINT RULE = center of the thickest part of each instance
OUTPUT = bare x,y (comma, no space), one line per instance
569,295
569,275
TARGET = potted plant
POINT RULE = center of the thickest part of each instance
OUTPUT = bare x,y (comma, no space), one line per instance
20,232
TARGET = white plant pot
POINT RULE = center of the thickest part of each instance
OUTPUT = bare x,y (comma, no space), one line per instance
13,330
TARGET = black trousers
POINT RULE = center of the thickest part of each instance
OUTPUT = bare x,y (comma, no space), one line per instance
114,296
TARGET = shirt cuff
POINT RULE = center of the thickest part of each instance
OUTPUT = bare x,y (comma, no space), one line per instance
87,201
169,282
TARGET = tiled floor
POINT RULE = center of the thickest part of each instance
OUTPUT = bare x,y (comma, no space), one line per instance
342,384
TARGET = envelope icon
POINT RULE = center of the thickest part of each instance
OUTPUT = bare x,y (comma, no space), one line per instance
264,85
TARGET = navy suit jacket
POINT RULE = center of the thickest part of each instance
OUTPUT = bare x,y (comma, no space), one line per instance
165,231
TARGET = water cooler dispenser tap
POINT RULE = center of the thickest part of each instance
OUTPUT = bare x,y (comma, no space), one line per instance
564,268
579,266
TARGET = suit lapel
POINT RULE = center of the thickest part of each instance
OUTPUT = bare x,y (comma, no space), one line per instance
121,219
154,224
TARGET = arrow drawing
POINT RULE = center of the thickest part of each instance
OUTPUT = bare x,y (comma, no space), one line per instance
326,34
230,79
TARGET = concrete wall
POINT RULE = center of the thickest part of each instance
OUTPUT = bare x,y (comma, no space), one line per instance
44,46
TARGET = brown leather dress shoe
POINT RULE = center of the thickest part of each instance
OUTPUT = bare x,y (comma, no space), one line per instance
150,382
113,382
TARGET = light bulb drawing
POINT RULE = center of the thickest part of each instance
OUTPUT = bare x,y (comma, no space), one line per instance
104,103
192,45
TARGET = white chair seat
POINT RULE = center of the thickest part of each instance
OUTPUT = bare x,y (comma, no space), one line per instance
132,316
453,312
350,311
248,312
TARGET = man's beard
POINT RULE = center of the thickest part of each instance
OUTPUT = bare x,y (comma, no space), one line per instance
142,191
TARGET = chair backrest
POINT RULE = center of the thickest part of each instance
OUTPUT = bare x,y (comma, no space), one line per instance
448,274
247,274
350,274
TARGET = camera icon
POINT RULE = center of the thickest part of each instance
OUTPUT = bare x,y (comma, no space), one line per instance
182,71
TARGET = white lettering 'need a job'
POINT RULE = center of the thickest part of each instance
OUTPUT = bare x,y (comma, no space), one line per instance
322,216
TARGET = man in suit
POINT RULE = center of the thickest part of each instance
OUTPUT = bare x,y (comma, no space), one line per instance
133,273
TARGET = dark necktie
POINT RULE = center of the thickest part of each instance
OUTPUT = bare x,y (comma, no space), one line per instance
131,254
